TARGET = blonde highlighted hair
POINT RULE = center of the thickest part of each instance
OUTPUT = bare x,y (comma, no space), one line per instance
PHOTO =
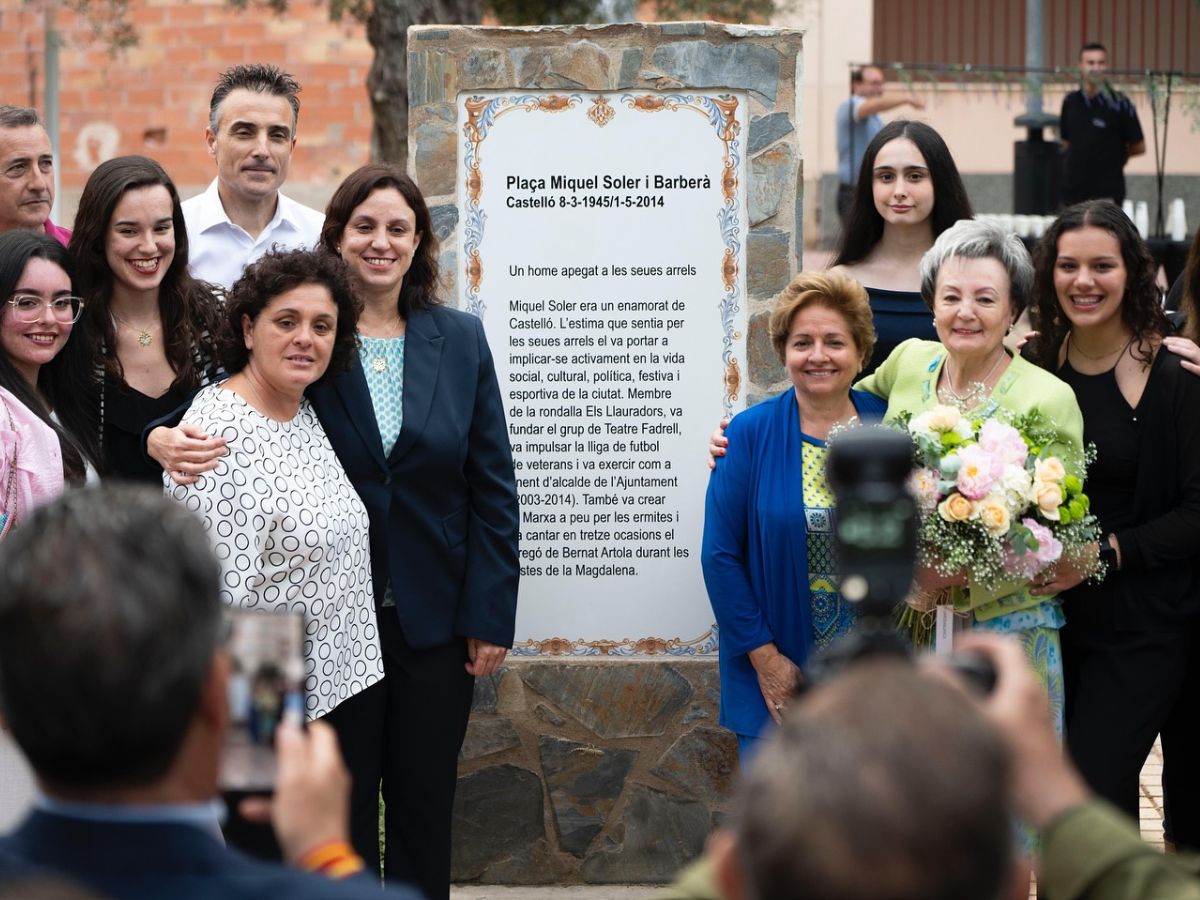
834,291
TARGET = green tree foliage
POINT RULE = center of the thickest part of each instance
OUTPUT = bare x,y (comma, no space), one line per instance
543,12
753,11
108,21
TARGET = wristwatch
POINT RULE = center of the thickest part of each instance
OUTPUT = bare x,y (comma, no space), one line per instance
1108,556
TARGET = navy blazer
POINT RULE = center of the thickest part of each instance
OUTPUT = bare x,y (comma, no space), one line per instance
443,503
125,861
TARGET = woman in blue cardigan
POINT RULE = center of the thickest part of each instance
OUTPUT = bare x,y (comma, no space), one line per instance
768,535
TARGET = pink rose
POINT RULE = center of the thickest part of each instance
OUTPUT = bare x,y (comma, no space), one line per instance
923,485
1003,441
1049,547
979,471
1047,553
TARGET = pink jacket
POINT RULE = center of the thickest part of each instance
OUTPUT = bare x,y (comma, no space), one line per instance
30,460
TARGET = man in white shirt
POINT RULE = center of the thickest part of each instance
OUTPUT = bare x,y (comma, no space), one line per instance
251,134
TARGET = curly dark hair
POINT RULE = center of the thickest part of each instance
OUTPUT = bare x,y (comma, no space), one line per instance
191,319
277,272
419,289
1189,302
1141,307
864,226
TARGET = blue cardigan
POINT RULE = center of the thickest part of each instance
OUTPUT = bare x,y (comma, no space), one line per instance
755,549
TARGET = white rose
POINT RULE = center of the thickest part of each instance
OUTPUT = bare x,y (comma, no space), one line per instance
1014,487
944,418
920,423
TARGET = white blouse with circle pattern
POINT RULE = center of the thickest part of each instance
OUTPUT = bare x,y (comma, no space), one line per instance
290,532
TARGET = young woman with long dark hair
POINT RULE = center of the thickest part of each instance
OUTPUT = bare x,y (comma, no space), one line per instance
1128,638
908,192
148,335
38,311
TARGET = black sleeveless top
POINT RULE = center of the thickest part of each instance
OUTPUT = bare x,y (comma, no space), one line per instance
898,315
127,412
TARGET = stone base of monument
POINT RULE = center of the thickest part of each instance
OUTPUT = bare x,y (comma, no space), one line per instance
604,772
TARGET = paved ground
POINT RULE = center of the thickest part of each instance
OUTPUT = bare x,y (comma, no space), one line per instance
1151,832
1152,798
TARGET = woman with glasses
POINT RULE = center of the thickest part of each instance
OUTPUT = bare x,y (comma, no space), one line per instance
149,332
37,457
38,308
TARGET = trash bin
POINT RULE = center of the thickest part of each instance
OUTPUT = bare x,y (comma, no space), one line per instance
1037,175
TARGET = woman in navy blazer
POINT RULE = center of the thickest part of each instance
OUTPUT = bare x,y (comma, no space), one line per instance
768,536
419,426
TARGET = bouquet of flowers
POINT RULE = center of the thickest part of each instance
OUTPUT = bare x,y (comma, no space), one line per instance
996,503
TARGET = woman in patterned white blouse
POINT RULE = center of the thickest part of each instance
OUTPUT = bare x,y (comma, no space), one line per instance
287,526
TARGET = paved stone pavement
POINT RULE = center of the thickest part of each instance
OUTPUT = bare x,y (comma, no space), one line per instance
1151,823
1152,798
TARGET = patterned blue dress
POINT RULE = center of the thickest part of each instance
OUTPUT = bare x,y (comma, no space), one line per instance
832,617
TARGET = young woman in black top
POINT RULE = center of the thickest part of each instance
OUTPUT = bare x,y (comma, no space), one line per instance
1128,638
148,335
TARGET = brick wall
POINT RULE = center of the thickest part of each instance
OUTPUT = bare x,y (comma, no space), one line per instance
153,98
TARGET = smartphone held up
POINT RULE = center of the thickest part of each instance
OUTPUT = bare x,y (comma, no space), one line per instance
266,687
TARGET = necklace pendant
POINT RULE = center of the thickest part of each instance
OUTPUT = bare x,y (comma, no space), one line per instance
144,338
379,364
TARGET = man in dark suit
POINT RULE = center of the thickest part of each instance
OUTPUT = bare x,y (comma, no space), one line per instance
114,683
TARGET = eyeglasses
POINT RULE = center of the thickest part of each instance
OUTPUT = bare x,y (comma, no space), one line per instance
28,308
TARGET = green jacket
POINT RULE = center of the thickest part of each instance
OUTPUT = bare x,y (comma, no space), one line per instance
1091,852
907,379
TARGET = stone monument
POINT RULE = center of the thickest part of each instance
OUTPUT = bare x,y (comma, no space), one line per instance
620,204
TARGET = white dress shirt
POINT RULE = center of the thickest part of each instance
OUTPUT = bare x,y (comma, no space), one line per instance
218,250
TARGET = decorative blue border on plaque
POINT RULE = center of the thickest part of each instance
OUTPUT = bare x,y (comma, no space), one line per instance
721,111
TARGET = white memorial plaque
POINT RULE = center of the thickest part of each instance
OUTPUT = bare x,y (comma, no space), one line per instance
602,242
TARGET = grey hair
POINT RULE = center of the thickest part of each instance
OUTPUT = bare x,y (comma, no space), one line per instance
980,239
19,117
260,78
